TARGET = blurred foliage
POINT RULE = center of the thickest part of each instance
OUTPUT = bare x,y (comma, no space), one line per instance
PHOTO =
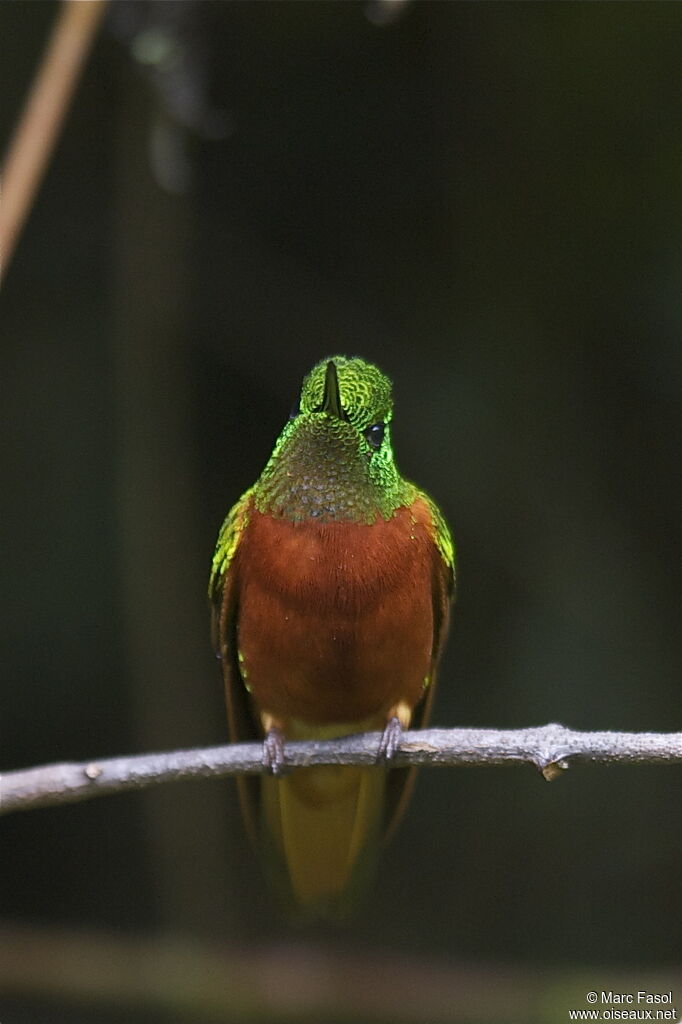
485,199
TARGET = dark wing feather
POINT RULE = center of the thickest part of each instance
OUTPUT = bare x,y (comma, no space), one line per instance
224,600
400,782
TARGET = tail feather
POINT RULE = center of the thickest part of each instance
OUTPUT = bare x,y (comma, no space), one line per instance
321,830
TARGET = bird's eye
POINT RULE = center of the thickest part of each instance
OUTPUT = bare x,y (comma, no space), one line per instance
295,409
375,435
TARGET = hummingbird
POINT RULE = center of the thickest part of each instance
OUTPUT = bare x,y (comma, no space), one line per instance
330,592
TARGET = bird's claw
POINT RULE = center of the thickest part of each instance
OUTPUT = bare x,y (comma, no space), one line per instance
390,740
273,752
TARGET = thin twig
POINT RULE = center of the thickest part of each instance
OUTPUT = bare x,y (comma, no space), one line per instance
38,128
549,748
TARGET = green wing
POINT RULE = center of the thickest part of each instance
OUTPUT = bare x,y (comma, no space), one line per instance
442,537
226,547
223,594
401,781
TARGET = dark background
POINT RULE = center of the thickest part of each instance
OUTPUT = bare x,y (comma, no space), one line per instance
486,200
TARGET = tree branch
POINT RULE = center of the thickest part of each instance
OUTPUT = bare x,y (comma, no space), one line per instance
549,748
46,107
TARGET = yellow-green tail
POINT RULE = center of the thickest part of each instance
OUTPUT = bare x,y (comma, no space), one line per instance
321,829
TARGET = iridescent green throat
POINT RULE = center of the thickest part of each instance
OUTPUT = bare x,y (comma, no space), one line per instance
327,465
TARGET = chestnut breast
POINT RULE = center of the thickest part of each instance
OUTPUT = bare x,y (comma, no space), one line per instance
335,620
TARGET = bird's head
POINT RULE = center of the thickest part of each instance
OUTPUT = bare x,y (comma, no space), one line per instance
334,458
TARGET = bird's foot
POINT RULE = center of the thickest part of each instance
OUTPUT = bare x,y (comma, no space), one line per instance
273,751
390,740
